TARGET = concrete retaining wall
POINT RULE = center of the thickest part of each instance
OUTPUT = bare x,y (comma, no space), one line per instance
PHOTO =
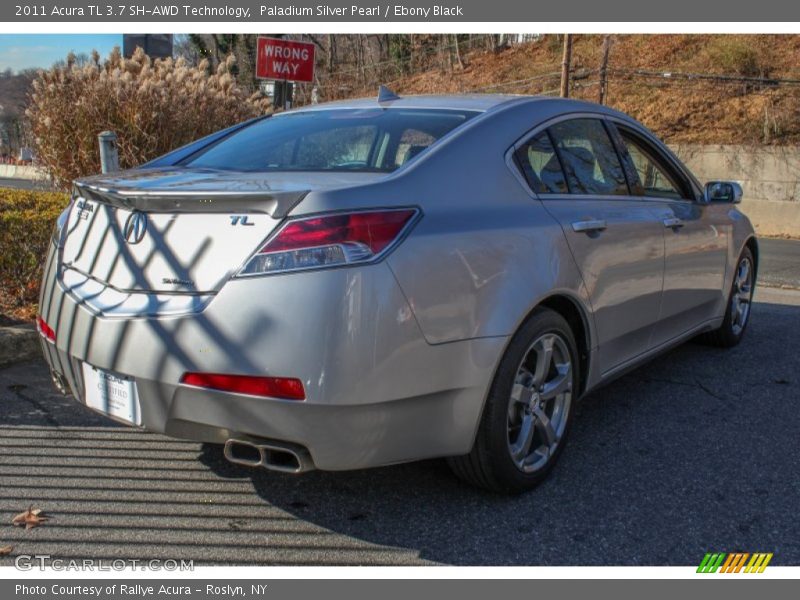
22,172
770,177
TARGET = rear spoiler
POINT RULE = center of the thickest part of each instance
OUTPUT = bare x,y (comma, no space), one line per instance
277,204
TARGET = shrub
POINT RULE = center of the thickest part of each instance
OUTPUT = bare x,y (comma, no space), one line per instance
26,224
739,56
153,106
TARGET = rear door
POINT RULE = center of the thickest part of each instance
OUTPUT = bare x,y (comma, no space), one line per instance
616,240
696,237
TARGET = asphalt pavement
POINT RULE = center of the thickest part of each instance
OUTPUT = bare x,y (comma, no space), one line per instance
779,262
695,452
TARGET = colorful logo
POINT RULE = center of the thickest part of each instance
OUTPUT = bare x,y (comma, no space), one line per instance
734,562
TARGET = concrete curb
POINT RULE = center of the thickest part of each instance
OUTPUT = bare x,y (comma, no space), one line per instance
18,343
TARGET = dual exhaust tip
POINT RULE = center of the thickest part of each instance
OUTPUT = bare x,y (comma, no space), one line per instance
274,456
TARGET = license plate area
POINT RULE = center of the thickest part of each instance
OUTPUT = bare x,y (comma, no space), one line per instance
112,394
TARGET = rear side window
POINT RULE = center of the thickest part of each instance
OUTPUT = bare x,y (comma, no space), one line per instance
542,168
589,158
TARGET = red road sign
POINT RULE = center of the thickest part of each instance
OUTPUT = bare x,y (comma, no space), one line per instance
285,60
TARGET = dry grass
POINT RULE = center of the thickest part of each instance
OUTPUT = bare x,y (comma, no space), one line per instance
678,110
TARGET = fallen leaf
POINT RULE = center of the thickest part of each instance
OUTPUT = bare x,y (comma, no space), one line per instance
31,518
5,550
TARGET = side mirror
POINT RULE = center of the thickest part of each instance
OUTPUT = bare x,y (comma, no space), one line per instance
723,191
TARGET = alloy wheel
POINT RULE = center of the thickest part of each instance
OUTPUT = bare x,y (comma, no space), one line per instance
538,408
742,295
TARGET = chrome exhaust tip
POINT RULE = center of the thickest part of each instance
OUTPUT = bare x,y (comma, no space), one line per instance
59,382
274,456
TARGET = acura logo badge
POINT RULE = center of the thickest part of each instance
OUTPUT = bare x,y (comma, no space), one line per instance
135,227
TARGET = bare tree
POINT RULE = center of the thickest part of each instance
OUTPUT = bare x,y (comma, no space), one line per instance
457,49
183,46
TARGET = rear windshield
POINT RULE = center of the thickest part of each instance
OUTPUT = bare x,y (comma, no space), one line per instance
377,139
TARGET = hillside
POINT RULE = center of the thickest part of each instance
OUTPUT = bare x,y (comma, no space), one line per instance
712,89
678,107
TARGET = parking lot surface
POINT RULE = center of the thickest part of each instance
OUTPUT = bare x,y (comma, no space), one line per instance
695,452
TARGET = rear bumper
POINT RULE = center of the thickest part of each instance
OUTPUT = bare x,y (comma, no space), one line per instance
377,393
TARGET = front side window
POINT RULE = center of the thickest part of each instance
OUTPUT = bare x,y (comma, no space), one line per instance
378,140
654,179
589,158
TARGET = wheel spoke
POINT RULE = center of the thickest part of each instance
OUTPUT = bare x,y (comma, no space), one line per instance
744,273
544,356
520,396
740,313
559,384
545,427
521,393
521,448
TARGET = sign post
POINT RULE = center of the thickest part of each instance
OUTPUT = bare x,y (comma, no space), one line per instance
284,62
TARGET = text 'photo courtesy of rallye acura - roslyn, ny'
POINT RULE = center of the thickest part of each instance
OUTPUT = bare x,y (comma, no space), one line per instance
369,282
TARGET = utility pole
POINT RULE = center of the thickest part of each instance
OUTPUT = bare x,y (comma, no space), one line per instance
565,61
604,70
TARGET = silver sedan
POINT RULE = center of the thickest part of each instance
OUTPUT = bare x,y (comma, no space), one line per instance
369,282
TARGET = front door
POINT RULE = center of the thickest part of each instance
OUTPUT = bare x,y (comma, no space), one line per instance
696,238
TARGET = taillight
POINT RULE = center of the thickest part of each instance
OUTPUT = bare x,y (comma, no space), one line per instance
45,329
331,240
286,388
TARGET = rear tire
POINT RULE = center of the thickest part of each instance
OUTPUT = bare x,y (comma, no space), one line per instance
528,412
740,298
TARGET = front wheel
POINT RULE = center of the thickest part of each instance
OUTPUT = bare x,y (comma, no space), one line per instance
740,299
528,411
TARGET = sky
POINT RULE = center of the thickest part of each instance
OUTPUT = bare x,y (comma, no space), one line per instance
26,51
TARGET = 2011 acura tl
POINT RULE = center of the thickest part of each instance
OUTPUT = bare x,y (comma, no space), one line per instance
369,282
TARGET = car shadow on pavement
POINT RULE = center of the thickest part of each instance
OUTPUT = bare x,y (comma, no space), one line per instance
696,451
693,452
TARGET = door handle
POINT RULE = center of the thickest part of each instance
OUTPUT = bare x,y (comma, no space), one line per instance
673,223
589,226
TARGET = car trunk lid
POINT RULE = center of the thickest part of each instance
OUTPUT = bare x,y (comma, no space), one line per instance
177,230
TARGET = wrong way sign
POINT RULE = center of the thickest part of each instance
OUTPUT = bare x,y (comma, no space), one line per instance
284,60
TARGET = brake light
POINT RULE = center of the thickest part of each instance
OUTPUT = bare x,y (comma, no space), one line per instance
331,240
44,329
286,388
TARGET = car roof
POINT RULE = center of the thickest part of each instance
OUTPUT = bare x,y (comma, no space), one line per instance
475,102
472,102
